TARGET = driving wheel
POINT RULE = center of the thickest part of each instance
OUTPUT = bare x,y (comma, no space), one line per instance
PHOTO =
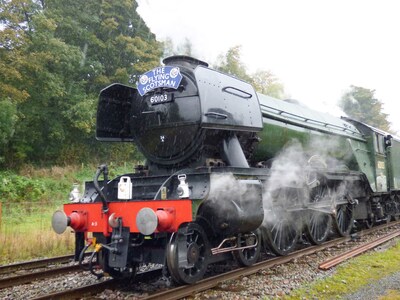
319,223
343,219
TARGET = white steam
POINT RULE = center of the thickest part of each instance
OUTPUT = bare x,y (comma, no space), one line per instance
289,187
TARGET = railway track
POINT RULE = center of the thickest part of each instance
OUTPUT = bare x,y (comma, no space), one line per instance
358,250
29,277
42,267
186,291
96,288
34,264
182,291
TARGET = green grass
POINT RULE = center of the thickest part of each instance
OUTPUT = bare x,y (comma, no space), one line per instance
352,275
27,236
29,199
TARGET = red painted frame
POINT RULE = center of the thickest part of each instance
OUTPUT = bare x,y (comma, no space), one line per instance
97,221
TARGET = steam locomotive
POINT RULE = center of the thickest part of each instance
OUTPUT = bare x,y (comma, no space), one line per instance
229,173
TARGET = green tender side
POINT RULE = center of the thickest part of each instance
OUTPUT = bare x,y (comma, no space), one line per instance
383,152
394,164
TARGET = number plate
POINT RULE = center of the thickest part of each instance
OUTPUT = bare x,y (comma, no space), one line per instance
160,98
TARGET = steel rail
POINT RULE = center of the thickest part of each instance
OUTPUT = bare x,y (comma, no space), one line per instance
34,264
26,278
205,284
202,285
84,291
356,251
96,288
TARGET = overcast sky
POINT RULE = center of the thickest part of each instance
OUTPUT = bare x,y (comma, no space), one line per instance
316,48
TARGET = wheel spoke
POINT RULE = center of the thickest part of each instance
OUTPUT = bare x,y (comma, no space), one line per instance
344,219
248,256
282,236
197,251
318,225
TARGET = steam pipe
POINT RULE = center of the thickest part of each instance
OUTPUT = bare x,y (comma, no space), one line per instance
101,169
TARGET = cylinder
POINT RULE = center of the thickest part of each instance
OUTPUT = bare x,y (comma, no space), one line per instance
234,205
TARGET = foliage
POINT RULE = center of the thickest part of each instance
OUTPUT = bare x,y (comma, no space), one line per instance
231,63
55,57
263,81
115,42
8,119
49,185
26,227
16,188
360,104
29,198
268,84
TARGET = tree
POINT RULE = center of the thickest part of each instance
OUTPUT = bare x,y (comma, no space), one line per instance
115,42
8,118
263,82
266,83
360,104
14,62
55,58
231,63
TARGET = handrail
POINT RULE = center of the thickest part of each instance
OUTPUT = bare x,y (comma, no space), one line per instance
307,120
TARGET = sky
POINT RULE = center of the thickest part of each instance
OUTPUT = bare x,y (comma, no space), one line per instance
316,48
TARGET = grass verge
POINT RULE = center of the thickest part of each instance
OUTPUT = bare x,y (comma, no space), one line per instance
352,275
31,236
29,200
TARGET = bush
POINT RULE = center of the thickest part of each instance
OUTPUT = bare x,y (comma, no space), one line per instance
17,188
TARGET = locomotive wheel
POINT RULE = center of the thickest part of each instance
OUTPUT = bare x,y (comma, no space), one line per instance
189,244
395,216
343,220
248,256
282,236
318,225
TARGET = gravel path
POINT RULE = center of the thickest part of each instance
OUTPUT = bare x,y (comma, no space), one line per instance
376,289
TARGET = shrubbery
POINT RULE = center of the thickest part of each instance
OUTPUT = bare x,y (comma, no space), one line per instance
17,188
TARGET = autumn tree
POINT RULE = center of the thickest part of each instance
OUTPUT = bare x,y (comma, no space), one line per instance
267,83
55,58
14,43
360,104
263,81
115,42
232,64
